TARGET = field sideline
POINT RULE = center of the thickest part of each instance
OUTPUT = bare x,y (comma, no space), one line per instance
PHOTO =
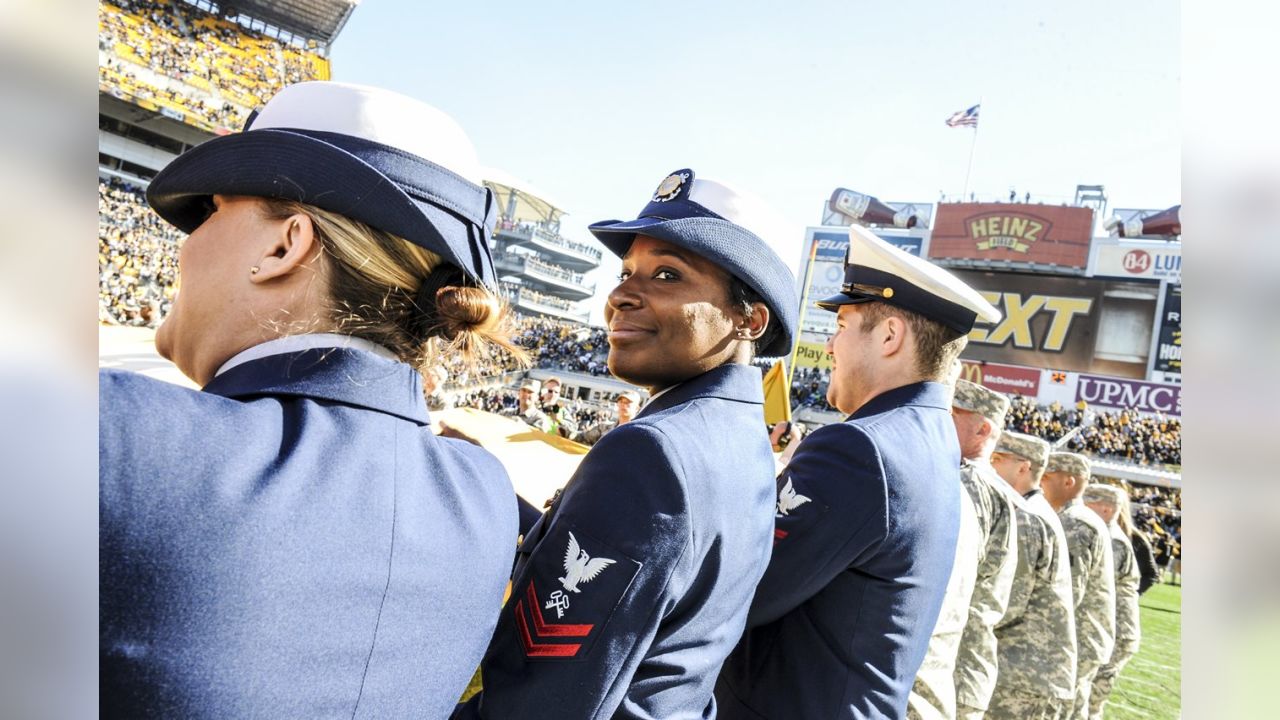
1150,687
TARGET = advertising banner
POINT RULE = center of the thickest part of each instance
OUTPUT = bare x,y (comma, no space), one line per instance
1169,346
1153,261
828,271
1003,378
1042,234
1113,392
811,354
1049,322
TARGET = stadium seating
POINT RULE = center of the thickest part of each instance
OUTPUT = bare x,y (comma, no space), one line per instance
168,55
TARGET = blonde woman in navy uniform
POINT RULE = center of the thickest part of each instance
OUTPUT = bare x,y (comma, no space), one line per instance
634,587
292,541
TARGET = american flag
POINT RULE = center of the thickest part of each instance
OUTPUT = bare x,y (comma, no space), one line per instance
964,118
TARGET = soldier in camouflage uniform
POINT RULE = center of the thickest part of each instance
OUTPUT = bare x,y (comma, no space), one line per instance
979,415
1036,639
1093,580
933,695
1112,505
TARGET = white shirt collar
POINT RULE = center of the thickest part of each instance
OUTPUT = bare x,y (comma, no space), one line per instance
309,341
657,395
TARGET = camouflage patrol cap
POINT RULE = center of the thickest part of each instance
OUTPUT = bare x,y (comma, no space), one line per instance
1105,494
981,400
1070,463
1027,447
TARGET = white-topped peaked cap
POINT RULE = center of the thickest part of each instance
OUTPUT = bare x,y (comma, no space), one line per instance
385,159
726,225
876,270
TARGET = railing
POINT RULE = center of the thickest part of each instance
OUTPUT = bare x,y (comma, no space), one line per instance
548,235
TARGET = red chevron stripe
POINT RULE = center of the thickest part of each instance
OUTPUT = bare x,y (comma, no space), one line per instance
546,629
533,649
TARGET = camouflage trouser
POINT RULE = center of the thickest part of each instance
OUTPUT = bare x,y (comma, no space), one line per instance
964,712
1017,705
1106,678
1084,687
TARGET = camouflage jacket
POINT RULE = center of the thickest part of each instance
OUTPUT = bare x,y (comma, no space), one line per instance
1036,639
933,696
1128,628
977,662
1093,584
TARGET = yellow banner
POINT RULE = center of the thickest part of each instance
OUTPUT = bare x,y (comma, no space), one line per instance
777,399
812,355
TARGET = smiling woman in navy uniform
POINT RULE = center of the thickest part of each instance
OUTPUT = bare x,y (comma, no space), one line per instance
292,541
868,509
631,591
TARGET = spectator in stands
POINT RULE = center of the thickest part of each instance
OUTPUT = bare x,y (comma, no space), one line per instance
626,405
433,379
560,411
1142,552
527,409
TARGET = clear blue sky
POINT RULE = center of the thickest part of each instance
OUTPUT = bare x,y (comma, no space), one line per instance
595,103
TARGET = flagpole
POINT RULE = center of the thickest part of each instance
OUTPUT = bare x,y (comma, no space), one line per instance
964,196
804,304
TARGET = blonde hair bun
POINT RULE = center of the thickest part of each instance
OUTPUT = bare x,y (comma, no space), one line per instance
466,309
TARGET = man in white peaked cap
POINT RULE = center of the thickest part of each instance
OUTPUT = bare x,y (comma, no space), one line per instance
869,508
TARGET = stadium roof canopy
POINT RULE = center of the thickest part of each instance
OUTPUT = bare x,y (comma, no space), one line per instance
531,203
321,20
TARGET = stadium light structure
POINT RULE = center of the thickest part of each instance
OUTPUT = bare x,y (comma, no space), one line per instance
868,210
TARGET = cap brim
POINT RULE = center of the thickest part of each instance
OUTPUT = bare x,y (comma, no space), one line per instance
274,163
833,303
617,235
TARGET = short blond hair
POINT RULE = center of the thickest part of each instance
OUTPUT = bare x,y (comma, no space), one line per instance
385,289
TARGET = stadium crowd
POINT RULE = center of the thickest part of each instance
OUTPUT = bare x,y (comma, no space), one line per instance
137,258
1124,435
225,69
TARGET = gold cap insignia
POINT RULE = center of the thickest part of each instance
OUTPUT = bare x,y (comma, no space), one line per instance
670,186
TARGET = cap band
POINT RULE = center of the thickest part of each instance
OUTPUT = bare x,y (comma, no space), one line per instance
418,177
862,283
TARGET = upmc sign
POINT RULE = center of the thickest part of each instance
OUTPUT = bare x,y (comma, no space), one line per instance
1042,234
1141,396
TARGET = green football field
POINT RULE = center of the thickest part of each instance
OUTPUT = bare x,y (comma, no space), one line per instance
1150,687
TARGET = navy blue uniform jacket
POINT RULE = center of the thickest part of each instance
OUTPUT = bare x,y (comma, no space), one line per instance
293,542
635,586
868,516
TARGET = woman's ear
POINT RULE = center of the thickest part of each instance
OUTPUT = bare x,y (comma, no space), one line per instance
752,326
289,245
